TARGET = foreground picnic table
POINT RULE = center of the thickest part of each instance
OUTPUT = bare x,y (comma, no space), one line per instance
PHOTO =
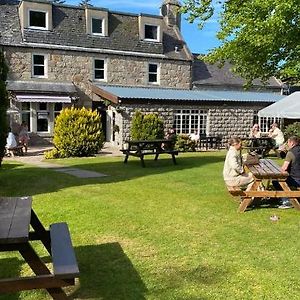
16,216
266,170
148,147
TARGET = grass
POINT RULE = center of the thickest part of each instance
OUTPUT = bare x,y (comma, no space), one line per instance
160,232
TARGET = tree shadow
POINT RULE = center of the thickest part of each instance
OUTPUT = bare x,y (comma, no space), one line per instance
20,180
107,273
10,268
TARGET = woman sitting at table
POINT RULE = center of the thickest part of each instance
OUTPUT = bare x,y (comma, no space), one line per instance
233,171
255,131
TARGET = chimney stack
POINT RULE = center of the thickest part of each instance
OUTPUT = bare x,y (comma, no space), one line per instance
170,12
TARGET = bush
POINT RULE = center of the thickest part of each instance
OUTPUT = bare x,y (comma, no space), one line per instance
3,106
54,153
146,127
77,132
292,129
184,143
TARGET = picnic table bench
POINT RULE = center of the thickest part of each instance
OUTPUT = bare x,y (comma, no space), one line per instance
18,150
148,147
265,170
16,216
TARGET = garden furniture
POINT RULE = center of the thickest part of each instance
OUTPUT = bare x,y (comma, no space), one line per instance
265,170
16,216
149,147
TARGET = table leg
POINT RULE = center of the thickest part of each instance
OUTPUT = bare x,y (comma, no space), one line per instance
174,159
248,200
40,231
142,161
39,268
294,201
126,158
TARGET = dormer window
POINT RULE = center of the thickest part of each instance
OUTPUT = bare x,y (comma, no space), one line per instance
151,32
97,26
37,19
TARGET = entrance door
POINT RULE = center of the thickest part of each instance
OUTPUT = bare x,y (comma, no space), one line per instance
101,109
42,122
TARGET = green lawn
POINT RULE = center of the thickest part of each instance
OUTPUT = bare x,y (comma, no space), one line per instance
160,232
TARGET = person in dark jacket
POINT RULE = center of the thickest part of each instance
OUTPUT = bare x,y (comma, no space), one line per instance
292,166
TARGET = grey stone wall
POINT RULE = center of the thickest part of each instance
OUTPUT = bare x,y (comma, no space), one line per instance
77,67
225,121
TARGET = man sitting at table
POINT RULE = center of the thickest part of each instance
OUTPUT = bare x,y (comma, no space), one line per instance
233,171
292,165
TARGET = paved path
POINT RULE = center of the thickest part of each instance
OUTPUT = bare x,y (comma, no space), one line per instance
34,156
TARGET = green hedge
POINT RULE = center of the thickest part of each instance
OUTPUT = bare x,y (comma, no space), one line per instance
146,126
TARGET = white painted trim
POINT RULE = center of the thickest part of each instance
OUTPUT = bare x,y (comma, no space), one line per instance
105,69
93,50
157,82
157,40
103,24
45,66
46,17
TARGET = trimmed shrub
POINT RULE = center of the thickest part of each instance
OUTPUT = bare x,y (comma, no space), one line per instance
184,143
77,132
3,106
292,129
146,126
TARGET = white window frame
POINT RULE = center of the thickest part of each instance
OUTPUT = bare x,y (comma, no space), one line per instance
103,24
157,82
202,123
104,69
45,65
158,33
46,19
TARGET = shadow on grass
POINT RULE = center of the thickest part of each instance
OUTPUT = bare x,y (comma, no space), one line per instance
21,180
107,273
10,268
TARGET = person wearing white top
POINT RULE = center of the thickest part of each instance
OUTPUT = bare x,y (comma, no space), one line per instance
276,134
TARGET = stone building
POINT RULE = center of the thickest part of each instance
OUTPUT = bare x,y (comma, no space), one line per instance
61,55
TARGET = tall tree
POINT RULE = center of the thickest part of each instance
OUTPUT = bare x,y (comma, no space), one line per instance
259,37
85,3
58,1
3,105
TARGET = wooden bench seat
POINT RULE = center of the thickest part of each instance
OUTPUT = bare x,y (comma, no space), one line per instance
235,190
63,256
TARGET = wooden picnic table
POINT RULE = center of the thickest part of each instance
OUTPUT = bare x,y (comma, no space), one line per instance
140,148
261,146
268,170
16,216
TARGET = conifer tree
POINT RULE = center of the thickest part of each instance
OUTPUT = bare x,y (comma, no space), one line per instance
3,106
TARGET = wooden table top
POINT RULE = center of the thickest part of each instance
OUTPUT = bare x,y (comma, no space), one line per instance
15,216
267,169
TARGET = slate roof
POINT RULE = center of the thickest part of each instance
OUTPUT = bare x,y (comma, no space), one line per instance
211,75
122,92
41,87
69,30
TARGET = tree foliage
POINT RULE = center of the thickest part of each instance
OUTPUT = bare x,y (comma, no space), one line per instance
260,38
85,3
3,105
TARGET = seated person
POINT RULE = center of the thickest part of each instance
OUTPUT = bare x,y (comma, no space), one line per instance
255,131
10,142
292,166
233,171
276,134
195,136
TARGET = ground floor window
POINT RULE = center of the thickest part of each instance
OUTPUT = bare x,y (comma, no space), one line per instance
265,122
187,121
25,114
42,123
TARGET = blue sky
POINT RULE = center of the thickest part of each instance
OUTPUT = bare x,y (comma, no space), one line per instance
198,41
